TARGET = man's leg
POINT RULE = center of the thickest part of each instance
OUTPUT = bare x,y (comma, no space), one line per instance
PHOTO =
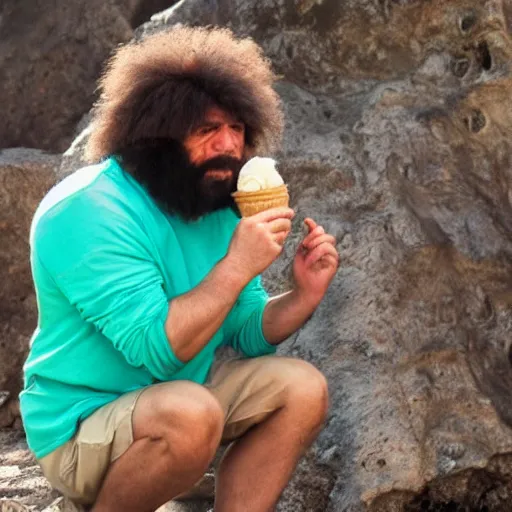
286,401
177,428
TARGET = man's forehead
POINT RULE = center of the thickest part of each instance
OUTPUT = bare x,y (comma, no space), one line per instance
217,115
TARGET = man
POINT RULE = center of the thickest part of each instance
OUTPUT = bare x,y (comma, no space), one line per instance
143,270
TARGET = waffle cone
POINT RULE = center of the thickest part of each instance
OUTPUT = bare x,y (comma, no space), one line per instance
250,203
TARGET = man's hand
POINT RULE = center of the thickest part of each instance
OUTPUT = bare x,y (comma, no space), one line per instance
315,263
258,241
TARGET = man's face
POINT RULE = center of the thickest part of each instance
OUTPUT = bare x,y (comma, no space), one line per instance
220,135
215,151
196,176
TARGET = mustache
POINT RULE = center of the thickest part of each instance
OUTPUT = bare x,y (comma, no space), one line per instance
221,162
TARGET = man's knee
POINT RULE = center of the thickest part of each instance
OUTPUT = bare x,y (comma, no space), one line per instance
196,426
306,390
191,424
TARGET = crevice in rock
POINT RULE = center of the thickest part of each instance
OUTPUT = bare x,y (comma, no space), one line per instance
460,67
451,506
484,56
476,490
476,121
467,22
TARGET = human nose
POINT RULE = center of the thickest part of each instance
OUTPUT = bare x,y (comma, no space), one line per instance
225,141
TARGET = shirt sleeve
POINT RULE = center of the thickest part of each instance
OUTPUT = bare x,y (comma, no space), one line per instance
245,321
100,259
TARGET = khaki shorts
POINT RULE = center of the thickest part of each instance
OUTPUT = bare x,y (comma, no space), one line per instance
249,390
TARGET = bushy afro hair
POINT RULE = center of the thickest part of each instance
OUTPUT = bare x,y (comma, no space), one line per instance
162,86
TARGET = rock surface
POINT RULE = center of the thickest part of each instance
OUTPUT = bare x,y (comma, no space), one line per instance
51,54
140,11
25,177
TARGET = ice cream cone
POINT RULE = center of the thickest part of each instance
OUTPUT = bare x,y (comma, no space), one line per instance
250,203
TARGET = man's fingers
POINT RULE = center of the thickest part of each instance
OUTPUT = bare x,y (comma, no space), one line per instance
278,225
317,231
325,238
310,223
280,237
320,251
331,259
273,213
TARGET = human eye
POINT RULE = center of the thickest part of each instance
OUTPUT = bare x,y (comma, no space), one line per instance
204,130
238,127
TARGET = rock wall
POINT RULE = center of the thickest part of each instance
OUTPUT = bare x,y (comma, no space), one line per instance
25,177
51,54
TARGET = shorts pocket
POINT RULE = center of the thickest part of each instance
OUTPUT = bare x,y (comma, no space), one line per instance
82,471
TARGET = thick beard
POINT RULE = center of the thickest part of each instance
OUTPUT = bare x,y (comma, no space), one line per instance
178,186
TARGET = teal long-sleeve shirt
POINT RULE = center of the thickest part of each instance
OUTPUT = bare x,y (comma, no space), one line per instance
106,261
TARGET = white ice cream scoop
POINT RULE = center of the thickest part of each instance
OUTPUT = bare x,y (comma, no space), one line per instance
259,173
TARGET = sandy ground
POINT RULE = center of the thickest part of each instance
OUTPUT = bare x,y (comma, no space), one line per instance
20,477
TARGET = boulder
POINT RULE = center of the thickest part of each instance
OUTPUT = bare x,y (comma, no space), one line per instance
25,177
399,122
74,158
51,54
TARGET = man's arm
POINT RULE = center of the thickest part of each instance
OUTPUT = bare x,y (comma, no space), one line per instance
194,317
285,314
314,267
